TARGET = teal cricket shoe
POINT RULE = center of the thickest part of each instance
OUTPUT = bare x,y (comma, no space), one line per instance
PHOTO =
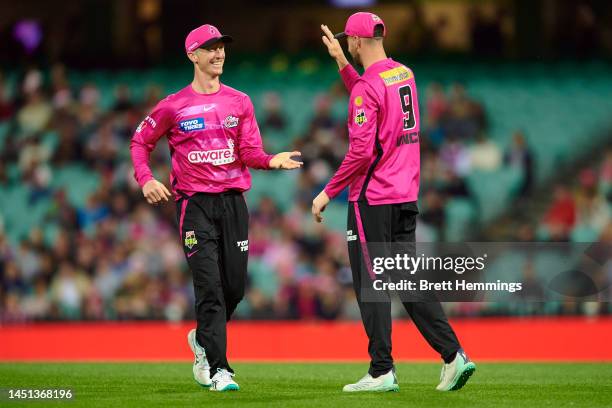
383,383
455,374
223,381
201,369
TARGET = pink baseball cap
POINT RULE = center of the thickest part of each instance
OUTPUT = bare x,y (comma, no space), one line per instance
362,24
203,36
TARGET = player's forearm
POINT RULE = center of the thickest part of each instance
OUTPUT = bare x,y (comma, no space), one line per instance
342,62
140,160
349,76
349,170
256,158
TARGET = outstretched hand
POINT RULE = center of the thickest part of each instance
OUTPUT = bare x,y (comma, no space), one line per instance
284,161
333,47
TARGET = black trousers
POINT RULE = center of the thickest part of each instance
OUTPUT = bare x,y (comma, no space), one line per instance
390,223
214,235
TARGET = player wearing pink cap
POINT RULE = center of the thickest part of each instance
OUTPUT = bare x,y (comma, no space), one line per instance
381,170
213,138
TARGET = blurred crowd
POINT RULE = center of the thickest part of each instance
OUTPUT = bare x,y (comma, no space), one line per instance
582,211
115,257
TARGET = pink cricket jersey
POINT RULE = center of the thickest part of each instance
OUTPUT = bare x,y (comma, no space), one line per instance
213,138
382,165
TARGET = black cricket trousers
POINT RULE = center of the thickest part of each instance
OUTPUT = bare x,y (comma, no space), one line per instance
214,234
390,223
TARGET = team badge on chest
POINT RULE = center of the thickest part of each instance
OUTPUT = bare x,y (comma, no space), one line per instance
230,122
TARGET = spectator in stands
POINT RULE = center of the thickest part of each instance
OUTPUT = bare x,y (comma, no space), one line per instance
61,94
520,156
593,212
560,217
35,115
104,145
455,156
69,290
6,103
89,110
466,116
437,111
605,176
36,304
94,211
70,147
273,115
484,155
267,213
123,99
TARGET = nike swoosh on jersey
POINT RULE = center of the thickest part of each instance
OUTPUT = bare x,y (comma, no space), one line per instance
192,253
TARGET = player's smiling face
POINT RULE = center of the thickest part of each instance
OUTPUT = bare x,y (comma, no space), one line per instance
210,59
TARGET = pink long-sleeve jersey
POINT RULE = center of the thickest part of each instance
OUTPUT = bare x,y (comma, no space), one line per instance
213,139
382,165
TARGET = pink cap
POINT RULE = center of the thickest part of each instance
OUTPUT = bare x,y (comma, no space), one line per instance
362,25
204,36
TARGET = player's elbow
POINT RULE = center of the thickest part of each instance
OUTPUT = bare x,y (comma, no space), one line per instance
360,156
137,145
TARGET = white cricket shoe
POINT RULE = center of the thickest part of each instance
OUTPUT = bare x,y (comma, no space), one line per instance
223,381
201,369
385,382
455,374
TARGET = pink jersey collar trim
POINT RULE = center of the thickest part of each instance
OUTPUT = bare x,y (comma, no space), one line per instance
193,91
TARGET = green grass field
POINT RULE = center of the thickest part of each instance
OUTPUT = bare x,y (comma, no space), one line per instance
313,385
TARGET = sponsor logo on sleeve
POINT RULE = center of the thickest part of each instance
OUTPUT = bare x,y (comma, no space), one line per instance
230,122
192,124
216,157
243,245
147,120
358,100
360,117
395,75
190,239
350,236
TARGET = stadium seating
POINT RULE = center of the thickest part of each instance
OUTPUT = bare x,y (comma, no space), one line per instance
548,102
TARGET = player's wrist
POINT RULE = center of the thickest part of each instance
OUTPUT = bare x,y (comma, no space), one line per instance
327,194
146,180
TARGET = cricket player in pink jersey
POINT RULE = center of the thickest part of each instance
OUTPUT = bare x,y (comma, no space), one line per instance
381,170
213,138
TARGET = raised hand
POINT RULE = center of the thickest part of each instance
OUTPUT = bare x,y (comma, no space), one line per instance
333,47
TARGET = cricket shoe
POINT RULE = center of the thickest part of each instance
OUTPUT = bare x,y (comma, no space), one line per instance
201,369
455,374
385,382
223,381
